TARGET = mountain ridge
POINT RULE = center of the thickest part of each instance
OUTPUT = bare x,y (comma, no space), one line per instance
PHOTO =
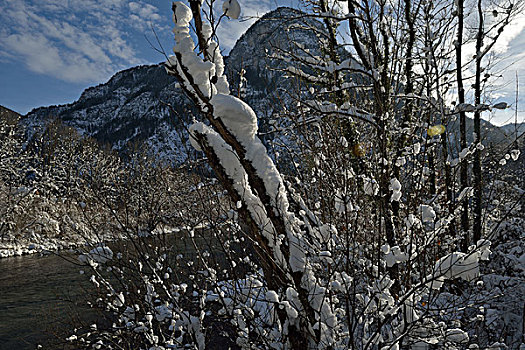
144,104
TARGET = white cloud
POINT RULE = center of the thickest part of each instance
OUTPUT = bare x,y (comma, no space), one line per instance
42,57
99,35
143,15
507,59
230,30
73,40
145,11
511,51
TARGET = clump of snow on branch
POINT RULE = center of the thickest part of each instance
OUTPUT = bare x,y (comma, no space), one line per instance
461,265
241,122
188,64
231,8
97,255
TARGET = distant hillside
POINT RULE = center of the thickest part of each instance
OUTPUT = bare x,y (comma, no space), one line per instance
491,134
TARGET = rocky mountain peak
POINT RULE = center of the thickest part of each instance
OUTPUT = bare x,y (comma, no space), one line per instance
133,106
279,31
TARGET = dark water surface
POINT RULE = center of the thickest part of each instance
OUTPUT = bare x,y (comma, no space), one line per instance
34,294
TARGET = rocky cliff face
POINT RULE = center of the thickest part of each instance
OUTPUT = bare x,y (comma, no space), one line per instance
280,31
134,105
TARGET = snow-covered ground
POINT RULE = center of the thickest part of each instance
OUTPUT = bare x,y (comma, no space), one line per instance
37,244
504,287
42,244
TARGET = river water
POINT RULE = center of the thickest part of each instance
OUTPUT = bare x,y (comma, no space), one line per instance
33,299
36,293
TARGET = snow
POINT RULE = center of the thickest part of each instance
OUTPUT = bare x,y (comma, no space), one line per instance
456,335
462,265
272,296
231,8
395,187
393,255
458,264
119,300
464,153
465,193
99,255
26,247
427,213
246,152
342,202
416,148
370,186
236,115
94,281
241,121
236,172
290,310
182,15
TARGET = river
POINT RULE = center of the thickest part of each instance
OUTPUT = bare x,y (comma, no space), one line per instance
33,299
34,293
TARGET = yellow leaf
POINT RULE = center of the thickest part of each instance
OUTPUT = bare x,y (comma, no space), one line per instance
436,130
358,150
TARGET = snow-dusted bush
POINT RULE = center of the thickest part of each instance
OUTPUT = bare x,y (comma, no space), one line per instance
357,246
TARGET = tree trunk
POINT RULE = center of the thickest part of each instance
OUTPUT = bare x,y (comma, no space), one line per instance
477,130
462,127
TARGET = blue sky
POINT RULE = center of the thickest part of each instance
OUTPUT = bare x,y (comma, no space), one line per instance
51,50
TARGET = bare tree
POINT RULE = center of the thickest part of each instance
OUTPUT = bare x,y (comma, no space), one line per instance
354,243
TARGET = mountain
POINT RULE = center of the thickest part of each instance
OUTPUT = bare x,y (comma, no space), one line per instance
145,104
282,30
491,135
134,105
8,116
130,107
513,129
9,125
